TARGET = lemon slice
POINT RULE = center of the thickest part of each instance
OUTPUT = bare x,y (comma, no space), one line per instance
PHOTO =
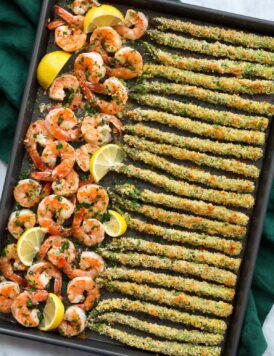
49,67
29,244
104,15
116,226
103,159
53,313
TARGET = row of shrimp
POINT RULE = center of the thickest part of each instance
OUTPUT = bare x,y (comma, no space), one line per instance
56,254
70,36
55,197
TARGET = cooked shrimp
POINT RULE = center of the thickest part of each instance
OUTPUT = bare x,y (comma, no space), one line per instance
19,221
40,274
96,197
90,260
69,37
37,134
56,249
62,124
113,87
97,129
90,265
80,7
50,155
8,292
21,305
10,262
52,212
74,322
66,186
89,66
83,155
27,192
88,231
135,25
105,40
73,21
83,290
66,82
128,64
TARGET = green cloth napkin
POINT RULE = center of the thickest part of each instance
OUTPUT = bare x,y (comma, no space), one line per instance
18,20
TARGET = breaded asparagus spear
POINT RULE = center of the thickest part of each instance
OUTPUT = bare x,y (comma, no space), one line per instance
174,252
190,174
201,270
201,240
191,222
197,144
223,164
225,118
148,344
209,96
176,316
168,281
173,334
195,206
184,189
215,49
215,33
222,66
200,128
232,85
170,298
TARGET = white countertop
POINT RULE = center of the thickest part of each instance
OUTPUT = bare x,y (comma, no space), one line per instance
11,346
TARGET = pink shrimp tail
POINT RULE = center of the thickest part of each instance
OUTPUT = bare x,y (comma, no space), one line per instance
56,23
45,176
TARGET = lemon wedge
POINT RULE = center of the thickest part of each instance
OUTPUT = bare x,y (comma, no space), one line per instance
29,244
103,159
104,15
50,66
53,313
116,226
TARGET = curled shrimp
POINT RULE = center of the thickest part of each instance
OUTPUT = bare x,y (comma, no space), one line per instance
113,87
97,129
74,322
21,220
69,36
52,212
27,192
95,198
80,7
8,292
50,155
22,305
37,135
88,231
89,66
58,249
128,64
90,265
66,186
62,124
134,27
83,155
40,274
66,82
83,290
10,262
105,40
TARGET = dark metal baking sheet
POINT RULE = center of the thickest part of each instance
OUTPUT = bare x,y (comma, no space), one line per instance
99,344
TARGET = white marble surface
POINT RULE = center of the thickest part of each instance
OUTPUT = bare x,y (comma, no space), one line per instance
11,346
